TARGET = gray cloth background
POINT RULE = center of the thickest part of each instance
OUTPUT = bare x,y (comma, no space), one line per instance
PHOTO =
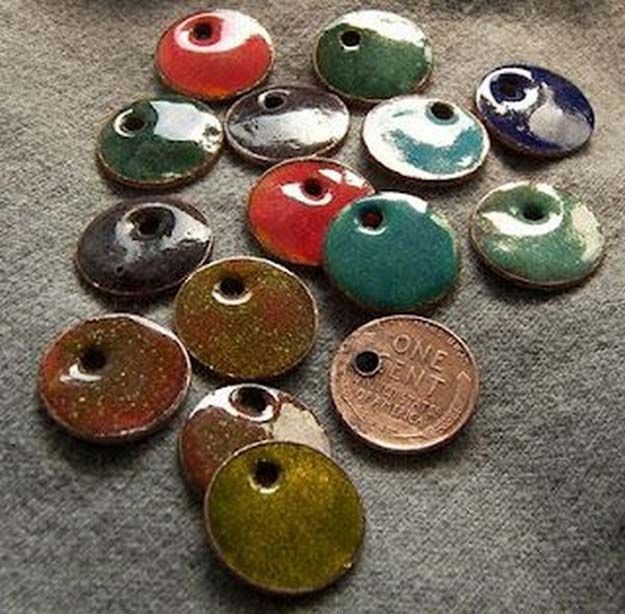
524,512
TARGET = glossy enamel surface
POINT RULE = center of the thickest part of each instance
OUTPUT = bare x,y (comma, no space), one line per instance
296,534
214,54
406,137
160,142
406,262
373,55
292,205
138,248
233,417
534,110
246,318
537,235
285,122
114,378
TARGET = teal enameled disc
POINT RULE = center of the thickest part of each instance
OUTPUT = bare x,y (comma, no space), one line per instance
392,253
373,55
537,235
425,139
160,142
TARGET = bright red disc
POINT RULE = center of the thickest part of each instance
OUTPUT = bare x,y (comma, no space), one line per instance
214,54
293,203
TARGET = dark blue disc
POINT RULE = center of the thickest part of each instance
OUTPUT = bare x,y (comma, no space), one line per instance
534,110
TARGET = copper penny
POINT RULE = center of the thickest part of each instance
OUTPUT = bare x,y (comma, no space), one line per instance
233,417
246,318
114,378
404,383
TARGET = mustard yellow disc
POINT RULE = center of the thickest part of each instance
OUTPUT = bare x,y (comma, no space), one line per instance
284,518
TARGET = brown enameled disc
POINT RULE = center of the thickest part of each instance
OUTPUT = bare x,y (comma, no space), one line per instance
246,318
114,378
404,383
233,417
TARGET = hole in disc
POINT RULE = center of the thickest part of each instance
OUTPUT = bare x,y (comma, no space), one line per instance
350,39
533,212
203,31
266,473
367,363
93,359
510,86
313,187
252,400
133,123
371,218
273,101
147,222
442,111
231,287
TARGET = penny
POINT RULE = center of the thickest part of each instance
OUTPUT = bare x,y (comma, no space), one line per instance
214,55
114,378
246,318
372,55
284,517
288,121
535,111
404,384
293,203
392,252
159,142
233,417
537,235
425,139
138,248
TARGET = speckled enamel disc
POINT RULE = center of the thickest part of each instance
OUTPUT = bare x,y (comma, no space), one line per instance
292,205
114,378
138,248
537,235
233,417
284,518
159,142
285,122
425,139
372,55
392,253
213,55
534,110
246,318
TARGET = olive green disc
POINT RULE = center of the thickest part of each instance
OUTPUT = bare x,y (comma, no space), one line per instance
372,56
246,318
284,517
537,235
159,142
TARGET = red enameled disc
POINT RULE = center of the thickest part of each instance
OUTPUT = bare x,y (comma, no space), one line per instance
214,54
293,203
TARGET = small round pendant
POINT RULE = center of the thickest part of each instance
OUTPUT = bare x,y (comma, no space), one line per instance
391,252
372,55
114,378
139,248
284,518
246,318
537,235
213,55
404,384
160,142
425,139
233,417
293,203
284,122
535,111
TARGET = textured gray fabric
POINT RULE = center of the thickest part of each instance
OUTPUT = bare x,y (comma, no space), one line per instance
524,512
